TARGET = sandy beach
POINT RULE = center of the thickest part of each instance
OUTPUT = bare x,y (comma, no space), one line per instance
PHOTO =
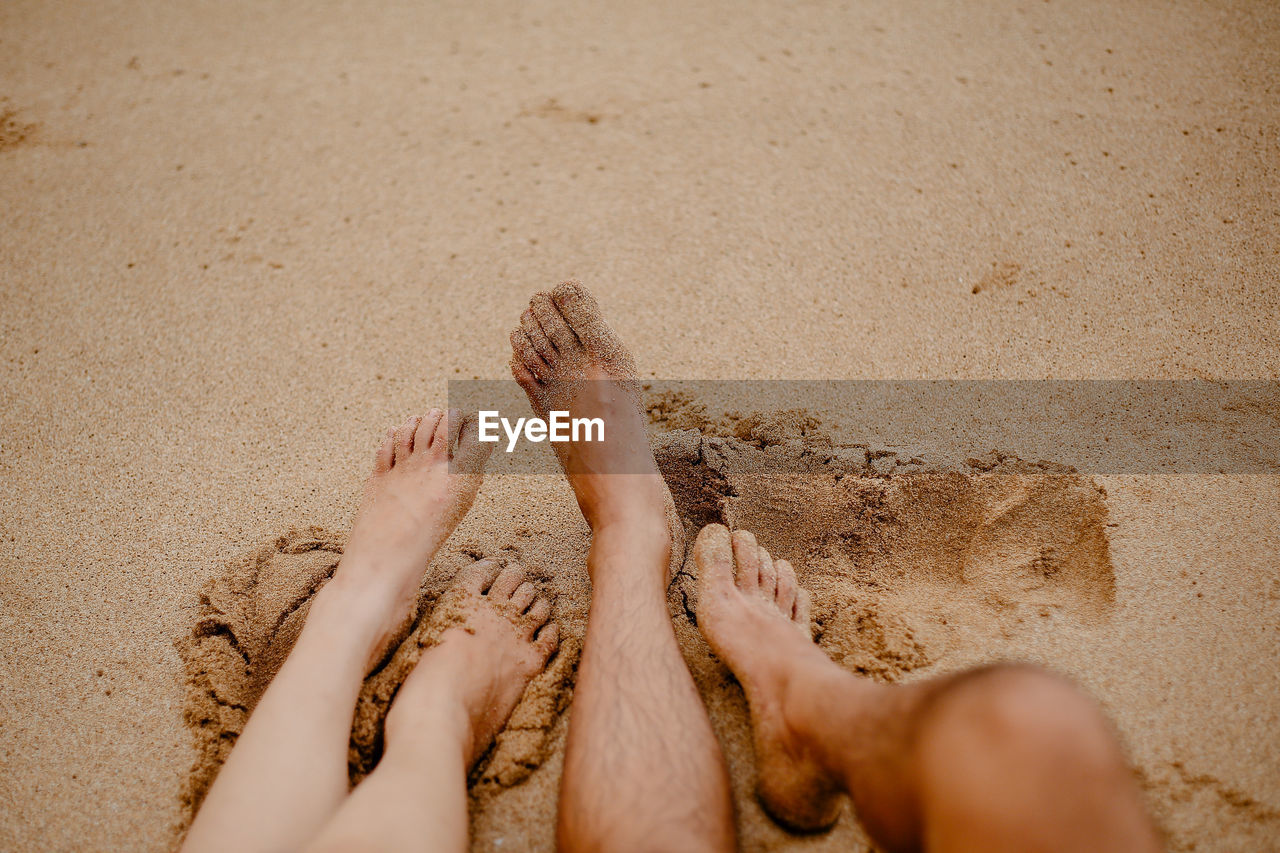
240,240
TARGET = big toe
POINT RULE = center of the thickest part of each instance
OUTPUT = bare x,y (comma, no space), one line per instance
582,314
479,576
713,555
470,453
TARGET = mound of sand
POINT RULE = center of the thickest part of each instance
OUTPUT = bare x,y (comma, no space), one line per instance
908,567
250,618
902,560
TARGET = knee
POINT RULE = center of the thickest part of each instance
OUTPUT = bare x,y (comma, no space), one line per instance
1025,713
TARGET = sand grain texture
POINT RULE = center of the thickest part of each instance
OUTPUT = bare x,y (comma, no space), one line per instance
240,240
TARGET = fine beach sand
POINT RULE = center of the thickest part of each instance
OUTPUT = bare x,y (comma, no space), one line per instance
239,240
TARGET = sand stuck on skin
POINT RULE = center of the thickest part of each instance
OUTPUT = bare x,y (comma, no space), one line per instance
912,571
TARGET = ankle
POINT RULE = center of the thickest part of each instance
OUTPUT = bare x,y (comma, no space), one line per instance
431,730
647,531
631,549
611,500
814,698
356,613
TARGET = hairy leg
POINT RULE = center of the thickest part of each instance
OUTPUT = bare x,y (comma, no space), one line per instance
1001,758
288,771
446,714
643,769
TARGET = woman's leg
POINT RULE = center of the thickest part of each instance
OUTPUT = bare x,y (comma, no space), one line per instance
445,716
288,771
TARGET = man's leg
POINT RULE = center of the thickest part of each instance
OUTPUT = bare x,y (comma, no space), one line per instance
1001,758
446,714
643,769
288,771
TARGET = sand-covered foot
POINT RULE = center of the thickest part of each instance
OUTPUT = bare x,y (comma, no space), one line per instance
566,358
493,638
412,502
756,619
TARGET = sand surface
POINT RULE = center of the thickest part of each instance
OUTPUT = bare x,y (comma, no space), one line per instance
238,240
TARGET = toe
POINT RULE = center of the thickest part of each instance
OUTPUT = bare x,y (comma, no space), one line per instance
553,323
479,576
537,337
713,554
386,453
470,453
547,640
746,553
404,439
768,575
582,314
575,302
508,579
537,616
456,422
524,377
523,596
524,351
786,594
440,439
426,429
804,604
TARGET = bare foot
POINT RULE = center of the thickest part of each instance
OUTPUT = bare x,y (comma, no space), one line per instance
494,637
756,619
566,358
412,502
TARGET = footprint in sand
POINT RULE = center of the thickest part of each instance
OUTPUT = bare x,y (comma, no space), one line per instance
13,131
250,617
1239,821
904,564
